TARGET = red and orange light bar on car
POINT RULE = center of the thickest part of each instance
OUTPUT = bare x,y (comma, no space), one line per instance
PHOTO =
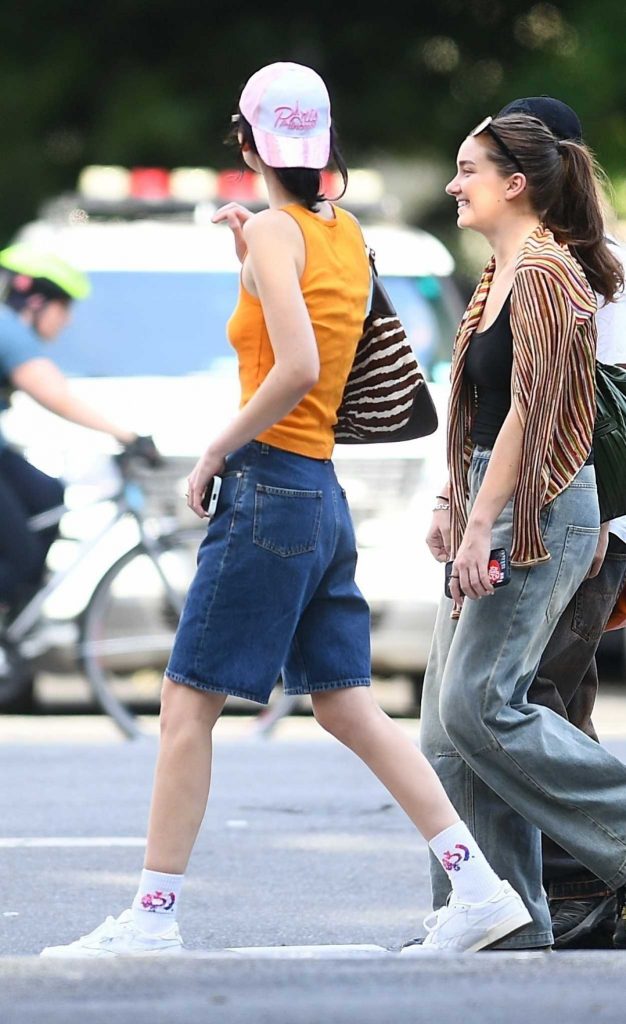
193,185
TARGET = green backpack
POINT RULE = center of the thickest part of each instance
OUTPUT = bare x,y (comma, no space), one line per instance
609,440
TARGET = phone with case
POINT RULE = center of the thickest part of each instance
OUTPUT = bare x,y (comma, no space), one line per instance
499,570
211,495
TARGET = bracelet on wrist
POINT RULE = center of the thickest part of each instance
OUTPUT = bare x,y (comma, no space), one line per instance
441,506
442,497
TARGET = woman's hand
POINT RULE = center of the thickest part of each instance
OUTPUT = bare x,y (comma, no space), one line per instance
470,574
235,216
598,558
438,536
211,464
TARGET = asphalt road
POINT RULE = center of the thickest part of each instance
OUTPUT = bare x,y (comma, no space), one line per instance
300,846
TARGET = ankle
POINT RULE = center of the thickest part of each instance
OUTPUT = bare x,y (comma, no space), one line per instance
156,901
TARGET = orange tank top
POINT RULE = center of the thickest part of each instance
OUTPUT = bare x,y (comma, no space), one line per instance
335,286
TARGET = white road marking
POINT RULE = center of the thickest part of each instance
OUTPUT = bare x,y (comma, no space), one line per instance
307,952
13,842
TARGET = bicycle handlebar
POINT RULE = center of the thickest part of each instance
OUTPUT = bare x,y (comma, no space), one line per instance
143,449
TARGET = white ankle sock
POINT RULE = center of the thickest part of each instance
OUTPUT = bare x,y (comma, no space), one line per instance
471,876
156,902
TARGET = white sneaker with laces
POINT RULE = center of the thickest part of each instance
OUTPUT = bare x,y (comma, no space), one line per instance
467,927
118,936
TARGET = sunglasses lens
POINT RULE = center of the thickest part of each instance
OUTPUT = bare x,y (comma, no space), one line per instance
481,127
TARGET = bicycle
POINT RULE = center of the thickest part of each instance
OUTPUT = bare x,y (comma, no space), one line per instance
124,632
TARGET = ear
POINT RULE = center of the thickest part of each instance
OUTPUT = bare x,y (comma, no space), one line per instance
515,185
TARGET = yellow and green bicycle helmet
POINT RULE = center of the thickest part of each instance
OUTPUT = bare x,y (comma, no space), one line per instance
33,270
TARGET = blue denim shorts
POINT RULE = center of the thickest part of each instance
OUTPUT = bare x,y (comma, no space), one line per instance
274,591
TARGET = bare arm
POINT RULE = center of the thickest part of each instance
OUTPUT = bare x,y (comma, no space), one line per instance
44,382
272,247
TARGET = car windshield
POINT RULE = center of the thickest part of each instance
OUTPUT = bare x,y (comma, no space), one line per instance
171,324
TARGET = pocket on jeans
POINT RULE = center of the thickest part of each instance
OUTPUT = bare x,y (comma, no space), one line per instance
286,521
578,550
591,607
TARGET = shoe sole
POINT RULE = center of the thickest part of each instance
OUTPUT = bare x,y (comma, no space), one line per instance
586,926
502,930
103,955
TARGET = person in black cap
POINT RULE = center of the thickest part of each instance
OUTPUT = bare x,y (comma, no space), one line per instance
583,910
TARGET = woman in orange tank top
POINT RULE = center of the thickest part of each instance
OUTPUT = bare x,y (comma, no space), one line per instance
274,592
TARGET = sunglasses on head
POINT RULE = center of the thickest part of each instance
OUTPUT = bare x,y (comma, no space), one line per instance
486,126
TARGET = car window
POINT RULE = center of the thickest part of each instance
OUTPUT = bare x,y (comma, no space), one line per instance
170,324
429,310
149,323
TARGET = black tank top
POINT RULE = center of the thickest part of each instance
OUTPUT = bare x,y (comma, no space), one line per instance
488,369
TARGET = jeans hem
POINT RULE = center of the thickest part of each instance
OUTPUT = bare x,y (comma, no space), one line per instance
526,942
228,691
337,684
578,890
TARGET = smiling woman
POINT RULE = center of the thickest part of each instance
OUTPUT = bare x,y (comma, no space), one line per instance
521,476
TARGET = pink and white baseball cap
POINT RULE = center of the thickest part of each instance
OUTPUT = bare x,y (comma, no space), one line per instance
288,108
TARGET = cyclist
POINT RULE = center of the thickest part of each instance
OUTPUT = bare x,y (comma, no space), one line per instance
37,290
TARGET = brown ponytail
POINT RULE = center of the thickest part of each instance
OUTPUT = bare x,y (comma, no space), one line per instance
563,181
576,218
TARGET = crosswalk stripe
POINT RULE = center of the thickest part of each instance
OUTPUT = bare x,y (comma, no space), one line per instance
13,842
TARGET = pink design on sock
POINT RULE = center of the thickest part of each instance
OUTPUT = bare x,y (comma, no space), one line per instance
452,861
158,901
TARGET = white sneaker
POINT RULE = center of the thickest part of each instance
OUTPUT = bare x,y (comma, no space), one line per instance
118,936
467,927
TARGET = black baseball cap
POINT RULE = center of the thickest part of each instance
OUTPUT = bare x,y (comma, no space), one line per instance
559,118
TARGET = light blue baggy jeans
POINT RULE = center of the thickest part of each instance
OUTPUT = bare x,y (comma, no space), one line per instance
513,769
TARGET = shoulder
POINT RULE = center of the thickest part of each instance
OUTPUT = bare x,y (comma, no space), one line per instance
18,343
548,268
346,216
270,224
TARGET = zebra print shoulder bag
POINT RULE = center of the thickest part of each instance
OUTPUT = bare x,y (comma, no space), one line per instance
385,397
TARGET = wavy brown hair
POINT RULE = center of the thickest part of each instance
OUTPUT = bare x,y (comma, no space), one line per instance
564,183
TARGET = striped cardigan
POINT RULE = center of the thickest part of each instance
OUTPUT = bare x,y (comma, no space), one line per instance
552,387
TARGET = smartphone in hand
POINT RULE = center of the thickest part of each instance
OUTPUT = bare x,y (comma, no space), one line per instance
499,570
211,495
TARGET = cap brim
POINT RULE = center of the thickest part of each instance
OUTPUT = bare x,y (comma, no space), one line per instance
281,151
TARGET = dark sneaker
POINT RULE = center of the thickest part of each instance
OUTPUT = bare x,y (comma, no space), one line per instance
576,920
619,935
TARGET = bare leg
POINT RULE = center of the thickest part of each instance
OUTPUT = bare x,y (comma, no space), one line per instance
182,776
353,716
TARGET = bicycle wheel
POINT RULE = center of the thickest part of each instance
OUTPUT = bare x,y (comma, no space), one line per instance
129,624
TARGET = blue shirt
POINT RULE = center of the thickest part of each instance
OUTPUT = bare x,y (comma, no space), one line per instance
18,344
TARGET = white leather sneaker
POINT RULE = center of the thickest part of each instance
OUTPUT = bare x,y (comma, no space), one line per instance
118,936
467,927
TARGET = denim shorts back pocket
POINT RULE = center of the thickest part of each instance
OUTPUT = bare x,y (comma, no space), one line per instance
578,550
286,521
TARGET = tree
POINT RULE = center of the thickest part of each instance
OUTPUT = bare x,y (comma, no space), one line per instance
150,82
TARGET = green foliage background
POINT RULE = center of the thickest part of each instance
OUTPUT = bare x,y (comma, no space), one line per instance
142,82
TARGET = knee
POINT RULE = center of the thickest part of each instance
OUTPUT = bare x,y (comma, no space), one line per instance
185,710
459,714
335,717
